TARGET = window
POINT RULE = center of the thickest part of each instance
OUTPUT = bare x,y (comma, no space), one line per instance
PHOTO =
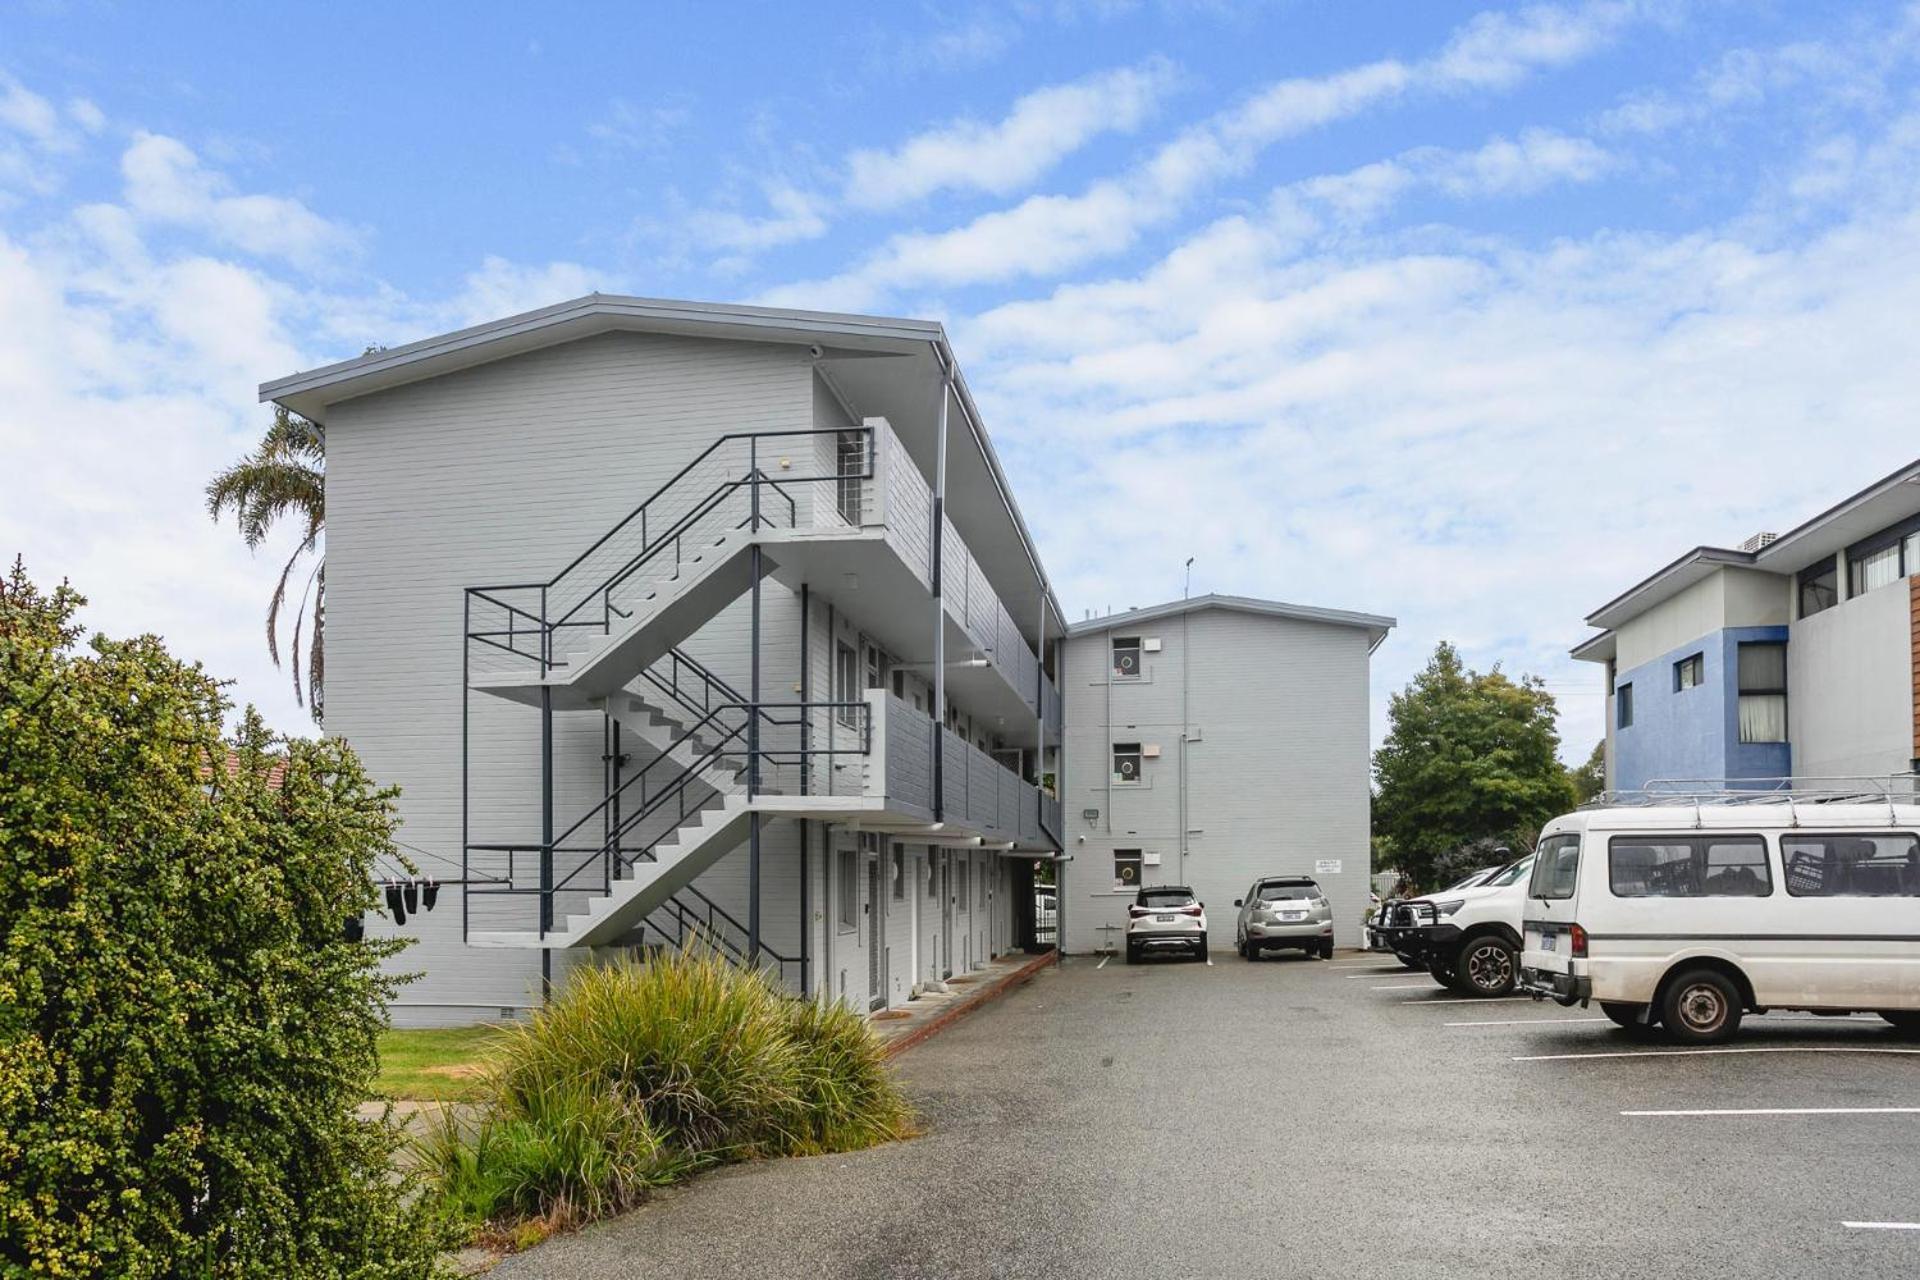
846,682
986,885
876,667
1126,867
1126,762
1288,892
933,878
1819,588
846,873
850,458
1690,673
1856,866
899,872
1126,655
1873,570
1689,867
1763,692
900,684
1623,705
1556,868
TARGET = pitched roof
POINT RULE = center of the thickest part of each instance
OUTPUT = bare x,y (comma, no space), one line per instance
1374,624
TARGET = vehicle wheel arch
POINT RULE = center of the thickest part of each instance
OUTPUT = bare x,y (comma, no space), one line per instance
1498,928
1722,964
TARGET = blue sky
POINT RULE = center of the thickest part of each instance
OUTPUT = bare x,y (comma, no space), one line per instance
1471,314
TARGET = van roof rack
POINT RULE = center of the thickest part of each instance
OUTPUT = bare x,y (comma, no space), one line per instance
1701,793
1690,792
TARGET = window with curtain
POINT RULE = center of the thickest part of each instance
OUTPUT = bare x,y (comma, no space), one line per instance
1819,588
1690,673
1763,691
1873,570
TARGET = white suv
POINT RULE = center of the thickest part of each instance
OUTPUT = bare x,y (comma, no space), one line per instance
1468,938
1166,918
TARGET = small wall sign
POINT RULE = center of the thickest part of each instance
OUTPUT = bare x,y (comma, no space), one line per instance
1327,867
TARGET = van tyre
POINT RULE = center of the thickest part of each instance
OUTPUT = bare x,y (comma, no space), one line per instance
1487,967
1701,1006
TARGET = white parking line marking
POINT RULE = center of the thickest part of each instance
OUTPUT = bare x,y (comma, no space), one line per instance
1368,973
1523,1022
1681,1053
1883,1226
1787,1111
1466,999
1405,986
1103,962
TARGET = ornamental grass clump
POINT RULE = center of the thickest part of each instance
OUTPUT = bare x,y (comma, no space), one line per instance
640,1072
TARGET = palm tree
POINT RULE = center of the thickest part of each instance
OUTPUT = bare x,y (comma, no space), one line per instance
285,477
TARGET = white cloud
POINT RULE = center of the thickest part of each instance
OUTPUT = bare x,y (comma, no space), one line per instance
634,127
1046,234
166,183
1465,433
796,215
1042,128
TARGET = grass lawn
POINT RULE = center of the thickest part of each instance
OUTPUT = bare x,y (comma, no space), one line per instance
435,1063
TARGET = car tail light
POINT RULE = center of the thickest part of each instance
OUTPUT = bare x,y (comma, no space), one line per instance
1190,911
1577,941
1139,911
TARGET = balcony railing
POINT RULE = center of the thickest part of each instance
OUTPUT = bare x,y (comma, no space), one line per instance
893,494
979,792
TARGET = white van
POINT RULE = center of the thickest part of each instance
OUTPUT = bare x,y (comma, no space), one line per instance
1691,911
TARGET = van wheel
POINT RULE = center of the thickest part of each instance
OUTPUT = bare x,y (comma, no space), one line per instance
1701,1007
1487,968
1623,1015
1906,1020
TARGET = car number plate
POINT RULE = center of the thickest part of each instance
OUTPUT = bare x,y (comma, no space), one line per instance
1546,941
1293,915
1163,919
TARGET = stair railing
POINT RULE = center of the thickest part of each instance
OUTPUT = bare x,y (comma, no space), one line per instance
716,737
524,619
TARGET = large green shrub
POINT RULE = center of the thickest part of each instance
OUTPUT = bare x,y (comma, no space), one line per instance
184,1029
639,1072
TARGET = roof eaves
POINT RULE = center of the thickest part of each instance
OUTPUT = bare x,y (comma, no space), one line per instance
612,306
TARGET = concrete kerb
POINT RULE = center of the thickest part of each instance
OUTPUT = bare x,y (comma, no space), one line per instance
1004,983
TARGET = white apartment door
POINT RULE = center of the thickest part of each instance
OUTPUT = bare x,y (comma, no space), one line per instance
876,938
946,915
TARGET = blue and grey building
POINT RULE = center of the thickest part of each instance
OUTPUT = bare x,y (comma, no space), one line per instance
1790,656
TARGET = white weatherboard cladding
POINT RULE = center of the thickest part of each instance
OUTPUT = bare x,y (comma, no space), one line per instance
1277,778
503,473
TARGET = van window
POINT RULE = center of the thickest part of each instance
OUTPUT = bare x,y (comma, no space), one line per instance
1689,867
1852,866
1556,868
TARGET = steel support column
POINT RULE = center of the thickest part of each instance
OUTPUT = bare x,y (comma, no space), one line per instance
753,758
939,606
546,839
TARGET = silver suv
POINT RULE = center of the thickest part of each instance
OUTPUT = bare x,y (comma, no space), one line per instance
1281,912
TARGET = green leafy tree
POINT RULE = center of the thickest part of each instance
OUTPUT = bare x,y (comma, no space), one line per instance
1590,779
185,1027
285,478
1468,756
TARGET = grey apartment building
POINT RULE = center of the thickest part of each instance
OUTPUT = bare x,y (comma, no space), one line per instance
678,621
1211,741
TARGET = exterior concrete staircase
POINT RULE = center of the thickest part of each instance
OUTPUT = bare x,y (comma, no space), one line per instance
677,860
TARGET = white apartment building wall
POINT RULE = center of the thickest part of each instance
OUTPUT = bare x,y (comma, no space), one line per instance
1271,700
503,472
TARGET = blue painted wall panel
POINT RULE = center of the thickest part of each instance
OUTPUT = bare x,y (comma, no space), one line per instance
1693,733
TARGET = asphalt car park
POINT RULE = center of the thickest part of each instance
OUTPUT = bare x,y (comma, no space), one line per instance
1300,1117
